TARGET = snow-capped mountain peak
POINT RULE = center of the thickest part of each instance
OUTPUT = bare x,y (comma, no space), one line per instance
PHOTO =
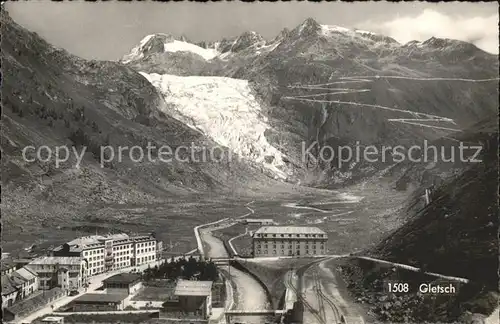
309,26
445,45
162,43
246,40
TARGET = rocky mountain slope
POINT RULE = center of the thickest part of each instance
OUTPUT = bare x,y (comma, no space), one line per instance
52,98
455,234
335,86
458,227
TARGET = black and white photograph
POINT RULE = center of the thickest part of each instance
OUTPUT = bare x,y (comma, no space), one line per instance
249,162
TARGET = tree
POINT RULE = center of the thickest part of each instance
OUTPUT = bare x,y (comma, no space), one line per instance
78,137
211,272
95,128
190,268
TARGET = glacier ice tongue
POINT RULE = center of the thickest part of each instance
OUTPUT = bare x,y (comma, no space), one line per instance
225,110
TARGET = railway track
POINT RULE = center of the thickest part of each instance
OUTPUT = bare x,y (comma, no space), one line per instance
319,295
304,302
320,314
322,297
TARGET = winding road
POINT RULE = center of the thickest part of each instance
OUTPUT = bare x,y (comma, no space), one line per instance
250,294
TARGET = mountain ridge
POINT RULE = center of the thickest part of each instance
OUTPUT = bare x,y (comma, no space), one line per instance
307,28
356,89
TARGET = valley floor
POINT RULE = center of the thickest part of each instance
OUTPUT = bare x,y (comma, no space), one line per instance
364,212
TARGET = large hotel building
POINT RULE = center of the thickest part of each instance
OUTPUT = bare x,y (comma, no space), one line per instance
289,241
111,252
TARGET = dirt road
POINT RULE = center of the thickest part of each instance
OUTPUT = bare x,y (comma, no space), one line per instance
250,295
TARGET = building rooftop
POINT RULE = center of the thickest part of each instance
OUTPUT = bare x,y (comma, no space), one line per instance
289,230
193,288
16,279
101,298
88,241
49,319
12,281
7,285
57,260
94,241
25,273
123,278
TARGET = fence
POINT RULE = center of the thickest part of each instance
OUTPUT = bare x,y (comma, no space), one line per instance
31,305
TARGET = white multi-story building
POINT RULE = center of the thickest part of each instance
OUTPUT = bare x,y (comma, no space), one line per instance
145,250
271,241
65,272
111,252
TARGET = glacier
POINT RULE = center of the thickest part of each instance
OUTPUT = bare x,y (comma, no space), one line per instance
180,46
170,45
226,111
